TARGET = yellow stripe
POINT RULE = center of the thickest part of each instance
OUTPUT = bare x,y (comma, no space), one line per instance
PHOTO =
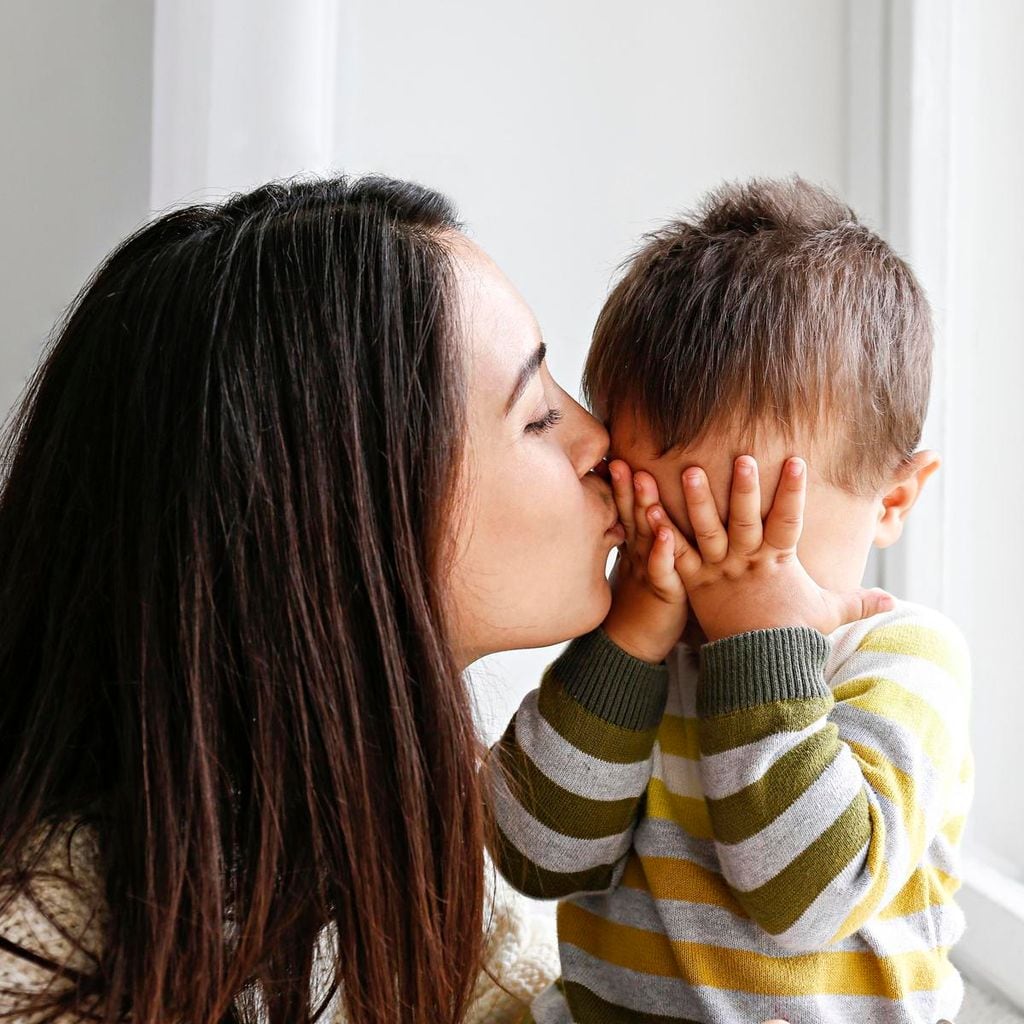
953,829
919,642
889,700
827,973
691,813
927,887
900,789
680,736
668,878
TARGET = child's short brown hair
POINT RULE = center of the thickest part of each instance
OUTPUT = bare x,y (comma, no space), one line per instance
774,306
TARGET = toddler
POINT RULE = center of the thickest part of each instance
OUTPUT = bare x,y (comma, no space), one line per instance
748,787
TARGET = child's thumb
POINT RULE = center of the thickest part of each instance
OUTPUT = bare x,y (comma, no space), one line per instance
861,603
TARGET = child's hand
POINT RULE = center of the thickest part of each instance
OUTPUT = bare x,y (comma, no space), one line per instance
749,577
648,610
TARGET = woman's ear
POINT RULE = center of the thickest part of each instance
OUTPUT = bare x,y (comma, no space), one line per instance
895,504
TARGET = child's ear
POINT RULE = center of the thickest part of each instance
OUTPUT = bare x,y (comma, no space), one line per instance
896,503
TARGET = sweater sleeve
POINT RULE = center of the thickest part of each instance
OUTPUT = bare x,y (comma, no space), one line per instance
565,783
824,799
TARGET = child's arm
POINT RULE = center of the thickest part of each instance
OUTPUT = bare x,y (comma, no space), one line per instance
566,781
821,804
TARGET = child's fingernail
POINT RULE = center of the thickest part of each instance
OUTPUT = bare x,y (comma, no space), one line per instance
796,467
691,479
655,513
744,468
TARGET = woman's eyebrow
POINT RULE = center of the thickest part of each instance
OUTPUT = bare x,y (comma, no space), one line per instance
529,368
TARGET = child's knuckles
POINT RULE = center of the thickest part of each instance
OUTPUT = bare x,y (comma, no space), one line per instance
743,524
708,535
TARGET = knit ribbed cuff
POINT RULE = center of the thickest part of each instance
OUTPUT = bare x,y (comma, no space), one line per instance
612,684
765,665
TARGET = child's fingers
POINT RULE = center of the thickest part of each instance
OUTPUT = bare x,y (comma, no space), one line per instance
622,491
645,497
686,559
785,521
661,565
745,531
711,537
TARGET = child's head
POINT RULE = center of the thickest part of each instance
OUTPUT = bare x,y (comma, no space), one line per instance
773,324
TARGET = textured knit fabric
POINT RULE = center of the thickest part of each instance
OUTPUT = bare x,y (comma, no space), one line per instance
65,904
773,832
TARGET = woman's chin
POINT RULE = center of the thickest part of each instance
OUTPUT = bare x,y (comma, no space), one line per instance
598,607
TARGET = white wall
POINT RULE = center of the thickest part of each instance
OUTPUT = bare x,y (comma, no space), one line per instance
75,90
564,131
244,92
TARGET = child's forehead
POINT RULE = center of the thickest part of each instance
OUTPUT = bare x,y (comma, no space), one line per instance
716,450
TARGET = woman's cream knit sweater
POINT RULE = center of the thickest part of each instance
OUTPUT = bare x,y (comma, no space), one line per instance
521,952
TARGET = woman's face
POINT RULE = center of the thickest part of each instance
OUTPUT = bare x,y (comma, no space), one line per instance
536,524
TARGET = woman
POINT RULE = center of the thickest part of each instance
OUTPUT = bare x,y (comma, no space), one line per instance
291,463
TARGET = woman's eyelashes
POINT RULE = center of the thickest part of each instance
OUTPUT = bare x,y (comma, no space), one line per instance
546,422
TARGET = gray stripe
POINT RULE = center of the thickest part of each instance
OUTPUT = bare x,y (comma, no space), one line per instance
731,770
543,846
942,854
899,745
682,921
656,837
680,775
907,668
571,768
709,925
683,673
753,862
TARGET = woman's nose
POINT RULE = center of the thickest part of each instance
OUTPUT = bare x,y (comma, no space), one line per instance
590,441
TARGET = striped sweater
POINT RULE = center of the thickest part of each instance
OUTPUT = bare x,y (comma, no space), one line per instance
772,831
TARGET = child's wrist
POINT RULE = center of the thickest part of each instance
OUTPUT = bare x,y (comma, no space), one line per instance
629,632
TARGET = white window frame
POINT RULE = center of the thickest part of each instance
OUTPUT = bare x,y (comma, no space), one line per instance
906,75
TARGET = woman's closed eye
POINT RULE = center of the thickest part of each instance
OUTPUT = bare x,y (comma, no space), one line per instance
545,423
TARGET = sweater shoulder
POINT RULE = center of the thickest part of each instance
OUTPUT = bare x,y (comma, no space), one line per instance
906,629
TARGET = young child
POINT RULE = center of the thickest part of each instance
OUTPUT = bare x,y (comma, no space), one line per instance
764,820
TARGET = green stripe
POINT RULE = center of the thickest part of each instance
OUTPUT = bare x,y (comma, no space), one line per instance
555,807
746,812
587,1007
779,903
540,883
585,731
724,732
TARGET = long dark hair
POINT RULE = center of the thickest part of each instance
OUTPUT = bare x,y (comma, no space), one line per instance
222,633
